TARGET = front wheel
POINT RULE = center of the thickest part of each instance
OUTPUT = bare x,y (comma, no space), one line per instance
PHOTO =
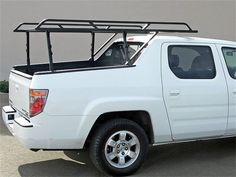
119,147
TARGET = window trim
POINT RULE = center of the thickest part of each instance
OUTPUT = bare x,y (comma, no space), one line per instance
227,47
192,45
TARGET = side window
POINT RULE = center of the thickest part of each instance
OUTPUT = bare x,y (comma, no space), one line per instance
230,59
115,54
191,62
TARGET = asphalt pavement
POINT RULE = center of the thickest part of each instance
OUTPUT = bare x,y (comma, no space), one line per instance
196,159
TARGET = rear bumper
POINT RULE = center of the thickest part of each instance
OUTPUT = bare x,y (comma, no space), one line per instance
44,131
18,126
29,134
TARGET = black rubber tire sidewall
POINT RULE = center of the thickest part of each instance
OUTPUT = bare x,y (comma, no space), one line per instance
103,133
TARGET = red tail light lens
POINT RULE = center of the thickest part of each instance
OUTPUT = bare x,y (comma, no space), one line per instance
38,100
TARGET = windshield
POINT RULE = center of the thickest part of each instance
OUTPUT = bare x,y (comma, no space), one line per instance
115,54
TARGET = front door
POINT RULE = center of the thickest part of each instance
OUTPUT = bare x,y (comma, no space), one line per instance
195,90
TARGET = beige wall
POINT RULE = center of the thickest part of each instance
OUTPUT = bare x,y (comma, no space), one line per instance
214,19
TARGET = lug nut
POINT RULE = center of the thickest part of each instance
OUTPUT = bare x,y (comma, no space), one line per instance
118,146
123,153
126,148
118,151
123,144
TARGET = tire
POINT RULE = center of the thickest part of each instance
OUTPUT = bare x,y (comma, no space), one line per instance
119,147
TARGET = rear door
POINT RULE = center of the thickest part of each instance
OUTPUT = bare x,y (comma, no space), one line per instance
228,56
195,90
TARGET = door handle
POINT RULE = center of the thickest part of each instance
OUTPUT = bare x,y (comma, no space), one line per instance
234,91
174,92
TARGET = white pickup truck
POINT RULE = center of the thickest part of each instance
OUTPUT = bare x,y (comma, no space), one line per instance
142,90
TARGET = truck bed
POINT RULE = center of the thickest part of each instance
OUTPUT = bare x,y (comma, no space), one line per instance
61,66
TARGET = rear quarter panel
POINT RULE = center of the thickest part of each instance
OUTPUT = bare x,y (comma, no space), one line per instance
88,94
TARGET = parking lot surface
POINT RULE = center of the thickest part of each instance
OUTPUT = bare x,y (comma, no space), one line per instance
204,158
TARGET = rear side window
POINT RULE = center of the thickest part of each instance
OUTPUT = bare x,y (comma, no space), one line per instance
230,59
191,62
115,54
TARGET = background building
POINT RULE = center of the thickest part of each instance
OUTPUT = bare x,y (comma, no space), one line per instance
213,19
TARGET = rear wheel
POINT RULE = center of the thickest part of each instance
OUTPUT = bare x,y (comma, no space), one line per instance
119,147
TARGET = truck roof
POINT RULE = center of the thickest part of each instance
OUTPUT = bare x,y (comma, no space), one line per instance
145,38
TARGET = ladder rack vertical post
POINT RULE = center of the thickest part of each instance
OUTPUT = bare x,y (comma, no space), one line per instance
125,46
50,52
92,46
28,51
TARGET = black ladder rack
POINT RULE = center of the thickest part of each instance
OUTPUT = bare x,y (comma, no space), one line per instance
103,26
99,26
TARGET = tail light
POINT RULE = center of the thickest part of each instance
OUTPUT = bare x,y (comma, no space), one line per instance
38,100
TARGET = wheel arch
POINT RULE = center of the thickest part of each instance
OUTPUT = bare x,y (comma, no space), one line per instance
141,117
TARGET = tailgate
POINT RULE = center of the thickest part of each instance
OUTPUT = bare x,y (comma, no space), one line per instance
19,86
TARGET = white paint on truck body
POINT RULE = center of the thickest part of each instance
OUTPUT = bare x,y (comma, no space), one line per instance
203,108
